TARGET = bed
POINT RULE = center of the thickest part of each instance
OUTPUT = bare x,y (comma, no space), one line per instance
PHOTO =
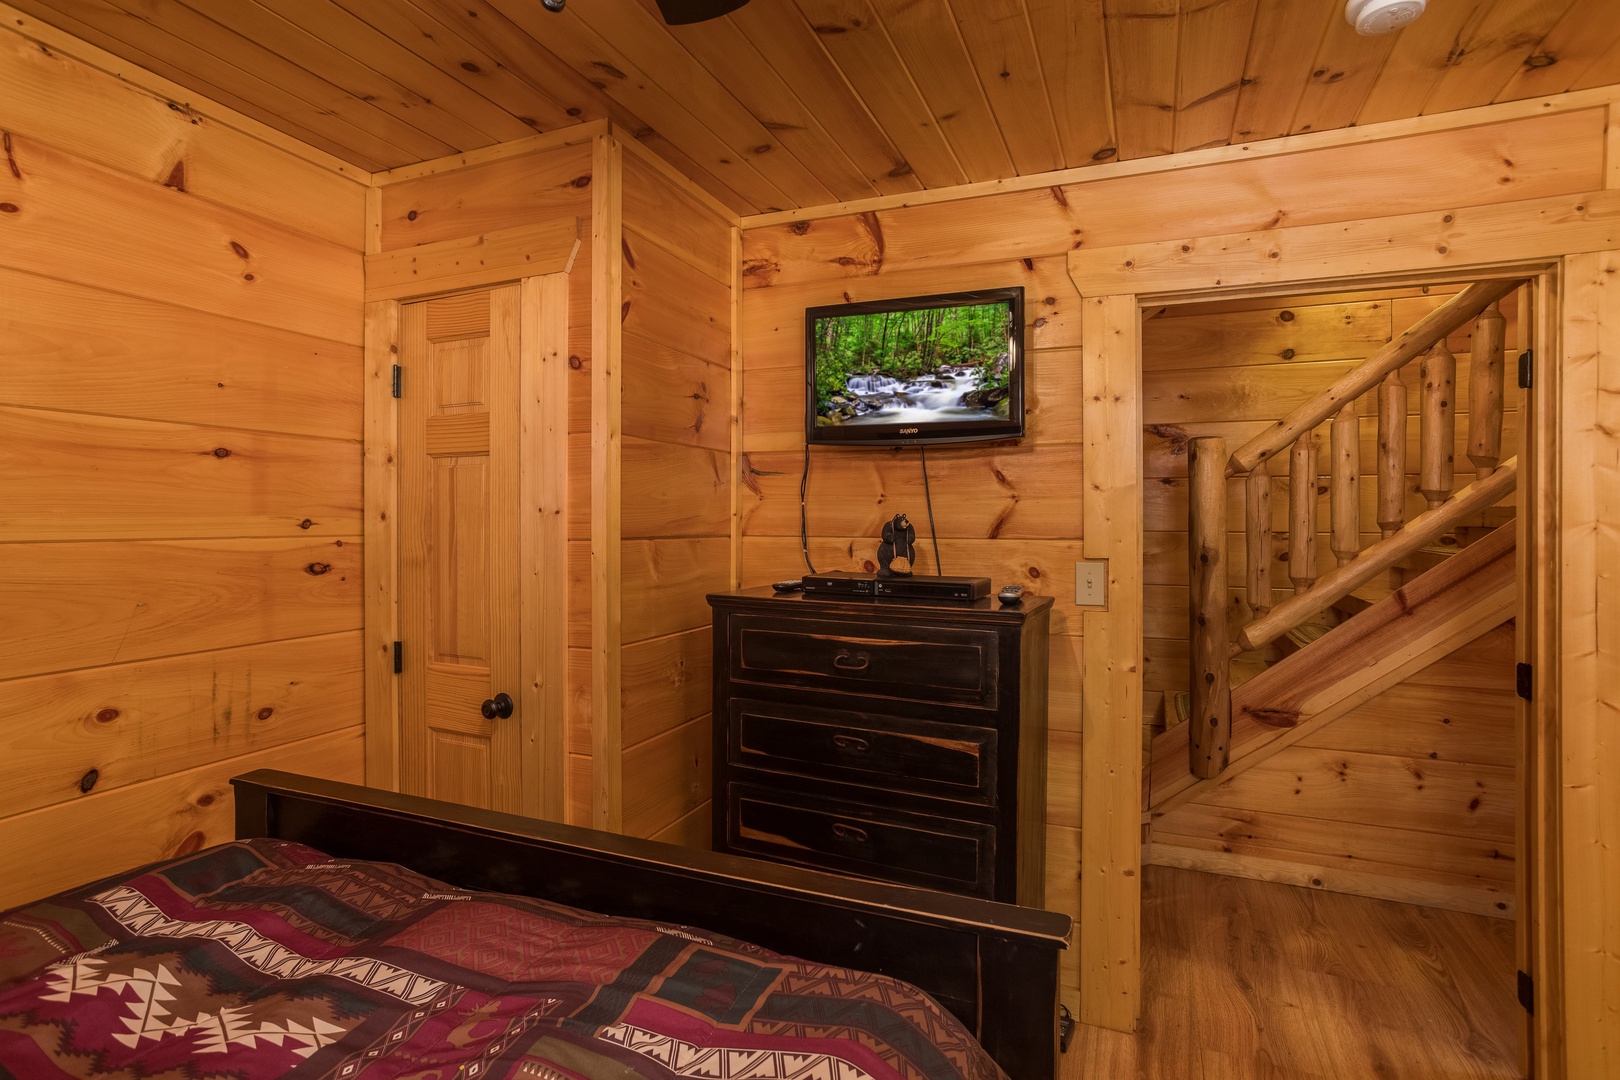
355,932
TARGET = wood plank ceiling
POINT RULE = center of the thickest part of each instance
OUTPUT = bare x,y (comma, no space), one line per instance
791,103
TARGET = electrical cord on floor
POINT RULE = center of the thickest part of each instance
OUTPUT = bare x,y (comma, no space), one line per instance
929,497
804,531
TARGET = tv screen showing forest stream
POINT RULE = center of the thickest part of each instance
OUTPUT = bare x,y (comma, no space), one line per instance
922,366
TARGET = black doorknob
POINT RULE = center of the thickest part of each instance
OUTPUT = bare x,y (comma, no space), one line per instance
498,706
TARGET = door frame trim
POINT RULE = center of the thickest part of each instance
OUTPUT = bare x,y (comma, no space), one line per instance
1110,870
543,358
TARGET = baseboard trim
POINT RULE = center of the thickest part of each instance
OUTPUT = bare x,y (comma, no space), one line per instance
1498,905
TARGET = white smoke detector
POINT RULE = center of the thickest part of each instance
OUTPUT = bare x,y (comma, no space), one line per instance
1372,17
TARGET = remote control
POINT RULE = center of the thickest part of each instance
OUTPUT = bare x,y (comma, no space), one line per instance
1011,594
790,585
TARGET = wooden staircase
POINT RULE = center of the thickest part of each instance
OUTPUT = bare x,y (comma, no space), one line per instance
1446,596
1395,638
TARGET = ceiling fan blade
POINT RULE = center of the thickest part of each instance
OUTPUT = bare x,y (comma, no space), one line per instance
681,12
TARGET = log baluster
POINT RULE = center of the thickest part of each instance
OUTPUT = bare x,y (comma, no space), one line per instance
1302,513
1210,704
1438,420
1344,484
1391,454
1485,392
1257,519
1341,581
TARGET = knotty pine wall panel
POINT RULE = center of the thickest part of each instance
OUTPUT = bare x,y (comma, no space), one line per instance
180,423
530,189
676,481
1495,163
1014,511
130,130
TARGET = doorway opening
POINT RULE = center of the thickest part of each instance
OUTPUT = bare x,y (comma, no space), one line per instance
1331,731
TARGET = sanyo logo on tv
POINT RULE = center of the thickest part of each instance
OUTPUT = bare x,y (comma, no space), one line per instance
909,430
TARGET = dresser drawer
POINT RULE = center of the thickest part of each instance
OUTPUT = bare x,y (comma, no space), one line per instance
890,845
953,761
919,663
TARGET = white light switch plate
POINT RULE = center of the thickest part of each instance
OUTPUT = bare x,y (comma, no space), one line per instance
1091,583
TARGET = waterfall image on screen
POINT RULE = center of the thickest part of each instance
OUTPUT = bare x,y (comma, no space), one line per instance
916,367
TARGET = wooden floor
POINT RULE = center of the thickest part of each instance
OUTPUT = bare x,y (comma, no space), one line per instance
1251,980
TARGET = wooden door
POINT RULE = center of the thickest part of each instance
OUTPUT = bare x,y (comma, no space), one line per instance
460,586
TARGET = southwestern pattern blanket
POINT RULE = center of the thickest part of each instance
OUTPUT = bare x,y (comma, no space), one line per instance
265,958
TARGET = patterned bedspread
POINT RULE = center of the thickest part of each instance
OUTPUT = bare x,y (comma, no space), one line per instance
265,958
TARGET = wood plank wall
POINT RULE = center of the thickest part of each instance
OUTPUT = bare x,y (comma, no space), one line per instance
675,490
1013,511
180,423
528,189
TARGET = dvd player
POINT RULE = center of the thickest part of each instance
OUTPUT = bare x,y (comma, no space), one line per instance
841,583
966,589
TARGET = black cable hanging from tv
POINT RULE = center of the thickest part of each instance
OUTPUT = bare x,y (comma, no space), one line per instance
804,531
928,497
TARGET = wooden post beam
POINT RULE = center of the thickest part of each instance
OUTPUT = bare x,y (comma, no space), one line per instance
1345,482
1391,454
1485,391
1210,707
1438,425
1302,513
1111,666
1257,496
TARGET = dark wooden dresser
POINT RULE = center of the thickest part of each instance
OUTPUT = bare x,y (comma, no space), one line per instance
889,739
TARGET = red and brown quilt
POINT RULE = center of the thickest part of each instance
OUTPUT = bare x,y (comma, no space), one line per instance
264,959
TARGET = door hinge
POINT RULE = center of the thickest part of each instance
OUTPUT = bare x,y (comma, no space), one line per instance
1527,367
399,377
399,657
1527,993
1522,681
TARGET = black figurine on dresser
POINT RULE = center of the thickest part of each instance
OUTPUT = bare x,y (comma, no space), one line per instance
900,740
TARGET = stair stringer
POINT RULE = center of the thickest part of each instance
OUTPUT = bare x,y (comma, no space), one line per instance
1422,622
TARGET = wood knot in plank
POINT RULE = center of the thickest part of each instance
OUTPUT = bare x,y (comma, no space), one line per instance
1277,718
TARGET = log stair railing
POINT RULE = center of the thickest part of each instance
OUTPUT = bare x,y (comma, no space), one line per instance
1393,639
1328,664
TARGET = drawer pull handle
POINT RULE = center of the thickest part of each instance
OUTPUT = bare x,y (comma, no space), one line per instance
849,832
851,742
848,661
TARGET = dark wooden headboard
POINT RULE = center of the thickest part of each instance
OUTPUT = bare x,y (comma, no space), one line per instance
994,966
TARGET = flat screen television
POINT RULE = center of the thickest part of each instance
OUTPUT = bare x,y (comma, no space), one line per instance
922,369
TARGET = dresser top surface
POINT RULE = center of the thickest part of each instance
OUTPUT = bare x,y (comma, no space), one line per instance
801,605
